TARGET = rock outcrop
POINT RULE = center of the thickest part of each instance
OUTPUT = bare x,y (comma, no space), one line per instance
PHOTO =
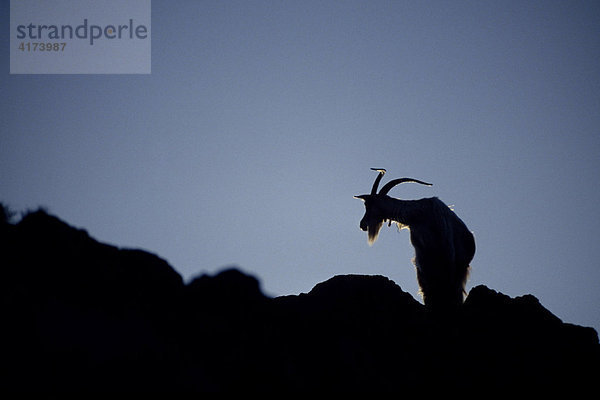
82,316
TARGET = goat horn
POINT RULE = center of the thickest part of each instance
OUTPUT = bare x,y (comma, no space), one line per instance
388,186
378,179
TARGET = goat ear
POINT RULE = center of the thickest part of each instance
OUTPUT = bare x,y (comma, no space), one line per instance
361,197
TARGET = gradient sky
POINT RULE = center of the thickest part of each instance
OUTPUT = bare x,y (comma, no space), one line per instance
260,121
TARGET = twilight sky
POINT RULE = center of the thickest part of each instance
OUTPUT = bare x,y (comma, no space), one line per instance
260,121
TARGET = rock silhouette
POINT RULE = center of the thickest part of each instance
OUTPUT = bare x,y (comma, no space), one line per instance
82,316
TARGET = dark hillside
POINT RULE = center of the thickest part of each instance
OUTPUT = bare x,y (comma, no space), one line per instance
79,315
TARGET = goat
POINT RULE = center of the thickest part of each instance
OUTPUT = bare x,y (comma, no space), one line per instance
444,246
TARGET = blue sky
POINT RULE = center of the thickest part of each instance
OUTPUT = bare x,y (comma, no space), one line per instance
260,121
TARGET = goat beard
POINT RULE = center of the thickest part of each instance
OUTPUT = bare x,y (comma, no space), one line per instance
373,232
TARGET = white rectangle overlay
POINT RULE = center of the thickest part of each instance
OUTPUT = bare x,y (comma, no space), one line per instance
80,36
